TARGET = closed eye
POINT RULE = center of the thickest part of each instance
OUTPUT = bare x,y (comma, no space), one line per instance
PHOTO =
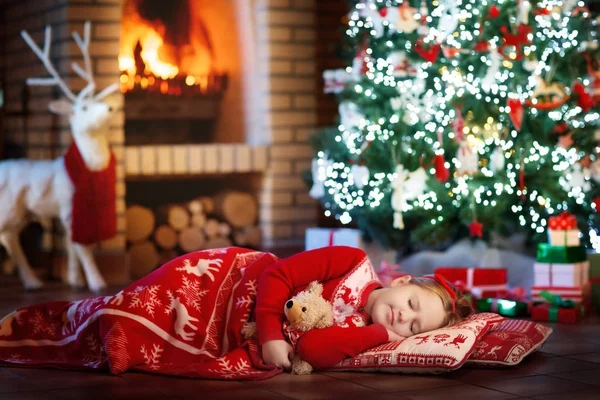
410,304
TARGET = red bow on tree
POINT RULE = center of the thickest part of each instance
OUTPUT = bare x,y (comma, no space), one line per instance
476,229
430,54
585,100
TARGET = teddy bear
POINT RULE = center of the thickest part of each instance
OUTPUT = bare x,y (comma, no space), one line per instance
305,311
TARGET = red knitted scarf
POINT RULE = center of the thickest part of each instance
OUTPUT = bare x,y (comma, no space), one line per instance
94,216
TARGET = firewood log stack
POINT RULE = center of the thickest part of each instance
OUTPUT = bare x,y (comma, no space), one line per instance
154,237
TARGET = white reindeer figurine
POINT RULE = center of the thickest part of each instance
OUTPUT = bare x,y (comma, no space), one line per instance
45,188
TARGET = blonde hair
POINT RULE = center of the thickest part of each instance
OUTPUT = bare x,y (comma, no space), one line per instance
464,308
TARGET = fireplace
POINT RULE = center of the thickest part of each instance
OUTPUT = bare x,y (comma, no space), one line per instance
216,96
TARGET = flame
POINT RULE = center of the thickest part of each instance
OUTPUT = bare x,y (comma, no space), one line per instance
151,42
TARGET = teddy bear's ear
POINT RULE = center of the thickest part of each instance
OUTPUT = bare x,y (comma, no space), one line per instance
315,288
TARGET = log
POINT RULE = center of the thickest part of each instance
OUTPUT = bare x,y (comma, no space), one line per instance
195,206
211,228
191,239
238,208
249,236
217,242
143,258
175,215
165,237
224,229
207,204
198,220
140,223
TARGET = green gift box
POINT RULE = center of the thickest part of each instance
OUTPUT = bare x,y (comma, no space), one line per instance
507,308
547,253
595,279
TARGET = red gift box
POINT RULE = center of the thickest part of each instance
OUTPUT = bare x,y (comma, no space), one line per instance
481,282
552,313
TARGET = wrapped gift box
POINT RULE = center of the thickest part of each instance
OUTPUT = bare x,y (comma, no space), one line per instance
322,237
552,313
568,237
595,280
563,275
549,254
507,308
575,293
481,282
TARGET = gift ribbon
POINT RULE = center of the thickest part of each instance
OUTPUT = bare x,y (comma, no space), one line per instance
553,314
556,300
331,235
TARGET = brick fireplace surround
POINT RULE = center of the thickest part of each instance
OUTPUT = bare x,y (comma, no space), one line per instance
282,56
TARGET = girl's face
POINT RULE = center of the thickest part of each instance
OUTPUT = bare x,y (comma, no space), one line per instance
407,309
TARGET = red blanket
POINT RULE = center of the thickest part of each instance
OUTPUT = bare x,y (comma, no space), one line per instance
183,319
94,215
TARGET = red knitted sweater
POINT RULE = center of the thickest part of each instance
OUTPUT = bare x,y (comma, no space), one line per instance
347,277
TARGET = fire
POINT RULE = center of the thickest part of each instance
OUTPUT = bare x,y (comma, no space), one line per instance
150,42
164,56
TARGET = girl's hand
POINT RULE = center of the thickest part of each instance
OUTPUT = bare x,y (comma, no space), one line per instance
393,336
278,353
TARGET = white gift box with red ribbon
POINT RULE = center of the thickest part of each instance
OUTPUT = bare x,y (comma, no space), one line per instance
575,293
562,230
563,275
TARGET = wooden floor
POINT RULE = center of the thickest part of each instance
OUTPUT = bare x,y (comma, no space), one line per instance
567,367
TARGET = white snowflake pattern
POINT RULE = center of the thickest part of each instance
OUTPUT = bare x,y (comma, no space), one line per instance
41,324
152,357
96,355
252,286
145,297
86,306
229,371
192,293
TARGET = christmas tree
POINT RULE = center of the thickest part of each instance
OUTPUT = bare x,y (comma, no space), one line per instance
463,118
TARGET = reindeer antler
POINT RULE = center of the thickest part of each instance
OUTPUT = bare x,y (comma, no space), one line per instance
56,80
44,56
87,75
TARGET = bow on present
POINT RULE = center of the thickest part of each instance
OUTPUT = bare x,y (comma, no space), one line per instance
388,272
563,221
517,294
556,300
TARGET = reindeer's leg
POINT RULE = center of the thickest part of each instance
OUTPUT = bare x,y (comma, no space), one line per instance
74,273
8,265
10,240
92,275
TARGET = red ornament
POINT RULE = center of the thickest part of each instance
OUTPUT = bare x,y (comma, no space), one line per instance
516,113
481,47
597,203
431,54
494,11
476,229
515,40
522,182
584,100
449,52
442,173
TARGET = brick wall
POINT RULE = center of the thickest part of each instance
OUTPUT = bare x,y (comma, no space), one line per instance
286,31
47,135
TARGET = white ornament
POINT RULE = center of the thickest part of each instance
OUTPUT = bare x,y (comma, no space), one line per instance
415,184
577,179
468,159
448,22
490,77
370,13
595,171
335,80
497,160
530,64
350,115
523,12
361,175
401,66
319,175
47,184
398,200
